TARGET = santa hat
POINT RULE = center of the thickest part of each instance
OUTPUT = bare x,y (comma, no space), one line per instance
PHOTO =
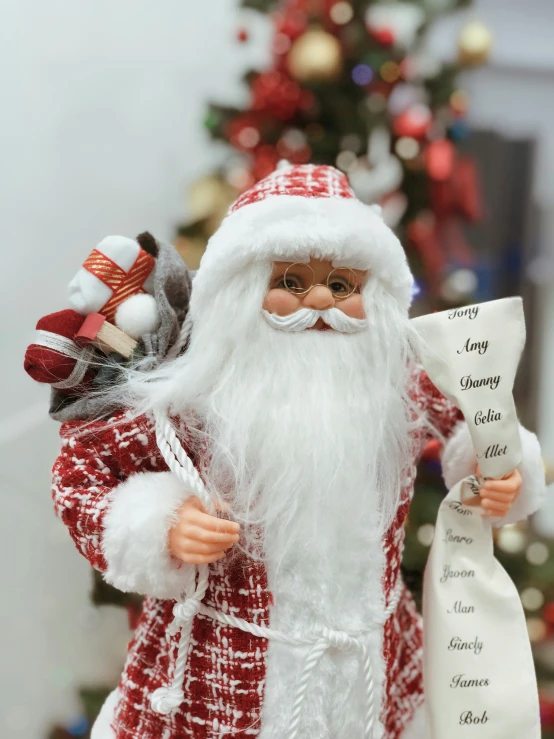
303,211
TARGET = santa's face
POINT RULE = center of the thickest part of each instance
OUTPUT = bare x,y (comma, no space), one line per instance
319,290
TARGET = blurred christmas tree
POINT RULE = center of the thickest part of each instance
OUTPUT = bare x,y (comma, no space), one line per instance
354,84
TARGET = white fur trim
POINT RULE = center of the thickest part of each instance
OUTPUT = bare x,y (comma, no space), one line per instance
418,728
142,510
102,728
292,227
458,461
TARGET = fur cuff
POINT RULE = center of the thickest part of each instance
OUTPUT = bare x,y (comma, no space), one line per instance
141,512
458,461
102,728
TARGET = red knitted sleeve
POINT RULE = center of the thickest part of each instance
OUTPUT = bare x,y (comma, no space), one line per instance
441,414
92,462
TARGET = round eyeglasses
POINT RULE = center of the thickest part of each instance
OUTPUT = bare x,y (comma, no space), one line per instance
299,279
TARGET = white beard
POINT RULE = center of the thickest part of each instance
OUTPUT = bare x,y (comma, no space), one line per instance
296,430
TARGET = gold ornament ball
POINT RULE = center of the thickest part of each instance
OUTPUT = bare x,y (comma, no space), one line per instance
208,195
190,250
315,56
475,43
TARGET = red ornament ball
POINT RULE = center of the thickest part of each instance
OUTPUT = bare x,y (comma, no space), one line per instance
414,121
548,613
383,35
277,94
290,23
440,157
265,161
546,711
243,132
432,450
242,35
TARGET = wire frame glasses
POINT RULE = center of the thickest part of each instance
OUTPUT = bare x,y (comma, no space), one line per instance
299,279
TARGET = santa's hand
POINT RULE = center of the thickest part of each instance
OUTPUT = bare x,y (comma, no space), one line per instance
197,537
497,496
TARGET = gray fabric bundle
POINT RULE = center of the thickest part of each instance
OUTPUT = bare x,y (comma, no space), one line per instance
172,289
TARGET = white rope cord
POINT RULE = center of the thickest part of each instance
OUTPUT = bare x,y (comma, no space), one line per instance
312,658
167,699
265,632
68,348
182,339
79,371
179,462
61,344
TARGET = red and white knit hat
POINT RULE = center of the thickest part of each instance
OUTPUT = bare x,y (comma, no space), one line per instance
303,211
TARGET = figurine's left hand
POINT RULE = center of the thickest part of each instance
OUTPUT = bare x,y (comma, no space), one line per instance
498,496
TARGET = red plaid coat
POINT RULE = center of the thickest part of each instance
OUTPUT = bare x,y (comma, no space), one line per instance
224,682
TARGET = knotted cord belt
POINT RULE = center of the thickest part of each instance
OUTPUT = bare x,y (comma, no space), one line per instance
167,699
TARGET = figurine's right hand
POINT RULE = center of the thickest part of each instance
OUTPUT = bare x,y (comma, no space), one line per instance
197,537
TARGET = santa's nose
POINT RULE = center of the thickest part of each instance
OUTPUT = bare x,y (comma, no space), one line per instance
319,298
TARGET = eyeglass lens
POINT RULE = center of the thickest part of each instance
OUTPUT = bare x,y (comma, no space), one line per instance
299,279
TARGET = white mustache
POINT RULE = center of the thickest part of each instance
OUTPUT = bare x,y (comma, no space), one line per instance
308,317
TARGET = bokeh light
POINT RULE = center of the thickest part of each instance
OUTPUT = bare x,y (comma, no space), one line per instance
537,553
341,13
425,534
511,539
536,629
390,71
249,137
407,147
532,599
362,74
346,160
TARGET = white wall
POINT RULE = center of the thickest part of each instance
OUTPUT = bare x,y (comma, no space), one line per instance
100,131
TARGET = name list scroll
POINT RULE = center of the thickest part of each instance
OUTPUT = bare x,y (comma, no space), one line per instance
459,539
471,608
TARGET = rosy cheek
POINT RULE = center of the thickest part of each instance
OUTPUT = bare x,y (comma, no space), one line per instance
281,302
352,306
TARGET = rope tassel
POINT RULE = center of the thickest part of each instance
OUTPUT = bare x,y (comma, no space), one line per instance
167,699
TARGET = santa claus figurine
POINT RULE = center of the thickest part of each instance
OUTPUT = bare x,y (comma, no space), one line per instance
255,487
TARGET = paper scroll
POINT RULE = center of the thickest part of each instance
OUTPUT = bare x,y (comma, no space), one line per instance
478,668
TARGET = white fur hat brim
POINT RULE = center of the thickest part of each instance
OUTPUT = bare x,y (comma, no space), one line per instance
295,228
